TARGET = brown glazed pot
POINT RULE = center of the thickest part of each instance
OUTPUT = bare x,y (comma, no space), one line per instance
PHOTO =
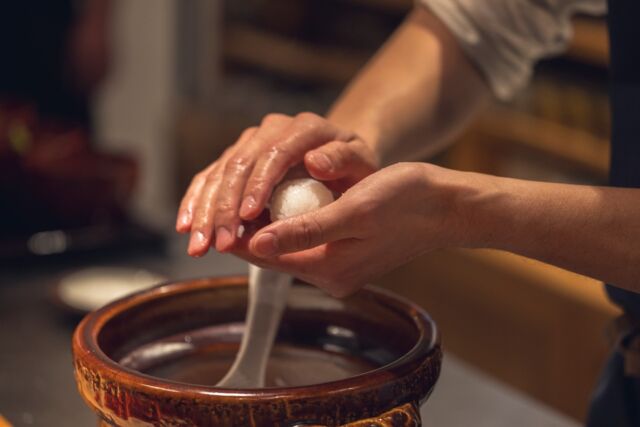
151,359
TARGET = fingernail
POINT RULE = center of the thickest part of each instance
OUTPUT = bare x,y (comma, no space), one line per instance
240,232
322,161
248,205
197,242
183,220
224,239
266,245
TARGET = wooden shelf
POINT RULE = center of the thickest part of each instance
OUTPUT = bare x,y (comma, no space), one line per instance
250,46
575,146
590,42
246,45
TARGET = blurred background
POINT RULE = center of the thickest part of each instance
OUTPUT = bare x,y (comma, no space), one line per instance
108,108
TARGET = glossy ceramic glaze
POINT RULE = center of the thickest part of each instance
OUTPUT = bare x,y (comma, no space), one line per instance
151,359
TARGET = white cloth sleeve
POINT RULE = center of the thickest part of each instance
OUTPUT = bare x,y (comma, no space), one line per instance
505,38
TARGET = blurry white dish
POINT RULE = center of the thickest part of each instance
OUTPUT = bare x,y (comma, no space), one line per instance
90,288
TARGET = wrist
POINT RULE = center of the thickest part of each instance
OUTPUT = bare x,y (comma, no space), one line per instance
501,213
475,207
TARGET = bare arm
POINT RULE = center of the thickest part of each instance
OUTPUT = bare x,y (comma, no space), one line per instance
412,97
412,208
408,101
591,230
415,94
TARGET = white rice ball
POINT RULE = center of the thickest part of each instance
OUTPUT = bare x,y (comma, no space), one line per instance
298,196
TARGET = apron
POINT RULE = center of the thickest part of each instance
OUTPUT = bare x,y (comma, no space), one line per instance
616,400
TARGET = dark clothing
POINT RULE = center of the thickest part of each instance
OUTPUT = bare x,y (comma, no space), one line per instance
34,37
624,28
624,24
616,400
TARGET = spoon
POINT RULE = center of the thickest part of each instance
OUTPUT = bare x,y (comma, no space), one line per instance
267,299
268,289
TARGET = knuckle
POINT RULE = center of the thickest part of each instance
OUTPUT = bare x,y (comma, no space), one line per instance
212,178
310,121
272,118
200,221
258,184
365,211
224,206
227,153
339,154
248,132
238,163
309,117
310,231
347,151
281,152
239,160
199,179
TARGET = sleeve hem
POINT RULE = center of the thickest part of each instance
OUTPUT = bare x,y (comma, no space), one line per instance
503,81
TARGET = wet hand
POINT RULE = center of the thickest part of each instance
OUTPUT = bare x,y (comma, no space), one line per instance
237,186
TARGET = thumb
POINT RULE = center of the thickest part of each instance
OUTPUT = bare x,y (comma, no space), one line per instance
302,232
351,161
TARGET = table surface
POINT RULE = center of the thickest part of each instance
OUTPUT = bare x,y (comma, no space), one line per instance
36,380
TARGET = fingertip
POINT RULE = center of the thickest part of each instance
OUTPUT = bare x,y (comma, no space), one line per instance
224,239
183,222
195,253
250,209
198,244
265,245
182,228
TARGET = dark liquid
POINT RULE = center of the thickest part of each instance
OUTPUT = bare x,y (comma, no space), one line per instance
205,355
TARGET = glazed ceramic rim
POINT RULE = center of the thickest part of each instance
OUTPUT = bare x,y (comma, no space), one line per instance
87,350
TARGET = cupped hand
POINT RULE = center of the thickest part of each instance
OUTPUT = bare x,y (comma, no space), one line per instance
237,186
380,223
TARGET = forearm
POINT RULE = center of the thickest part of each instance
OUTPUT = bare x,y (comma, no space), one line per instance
590,230
415,94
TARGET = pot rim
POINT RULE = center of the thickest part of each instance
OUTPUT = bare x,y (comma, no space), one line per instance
87,350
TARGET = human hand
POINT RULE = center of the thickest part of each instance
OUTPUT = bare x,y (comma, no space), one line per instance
238,185
380,223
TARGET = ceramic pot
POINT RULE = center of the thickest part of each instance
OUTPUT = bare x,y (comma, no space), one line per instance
152,359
